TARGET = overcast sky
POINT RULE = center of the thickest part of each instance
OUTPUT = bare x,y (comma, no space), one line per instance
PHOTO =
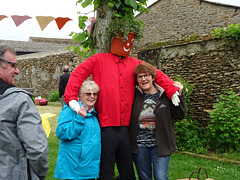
55,8
33,8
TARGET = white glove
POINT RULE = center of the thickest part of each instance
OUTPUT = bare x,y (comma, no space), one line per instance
74,105
175,99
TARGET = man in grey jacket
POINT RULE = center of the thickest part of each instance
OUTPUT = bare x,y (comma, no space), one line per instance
23,142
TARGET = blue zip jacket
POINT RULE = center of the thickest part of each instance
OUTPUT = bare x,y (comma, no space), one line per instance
79,146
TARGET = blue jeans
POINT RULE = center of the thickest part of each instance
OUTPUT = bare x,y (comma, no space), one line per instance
146,159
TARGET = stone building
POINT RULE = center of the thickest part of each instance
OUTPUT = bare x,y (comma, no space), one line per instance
177,19
40,62
209,64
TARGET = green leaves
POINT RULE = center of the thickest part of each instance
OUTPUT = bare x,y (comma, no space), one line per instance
121,10
125,26
188,131
86,3
187,134
131,3
81,22
224,127
81,36
54,96
231,32
222,133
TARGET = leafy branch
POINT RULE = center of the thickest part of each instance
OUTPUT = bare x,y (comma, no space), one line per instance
231,32
122,20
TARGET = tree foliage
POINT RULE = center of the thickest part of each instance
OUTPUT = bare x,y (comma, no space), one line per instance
107,11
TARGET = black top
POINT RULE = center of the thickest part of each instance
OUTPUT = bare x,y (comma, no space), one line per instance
63,83
4,86
165,114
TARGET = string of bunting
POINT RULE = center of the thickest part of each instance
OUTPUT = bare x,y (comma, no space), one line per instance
43,21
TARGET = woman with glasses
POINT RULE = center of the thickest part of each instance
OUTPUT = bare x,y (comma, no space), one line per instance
80,143
151,127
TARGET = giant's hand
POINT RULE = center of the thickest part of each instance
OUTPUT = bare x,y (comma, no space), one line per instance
76,107
175,99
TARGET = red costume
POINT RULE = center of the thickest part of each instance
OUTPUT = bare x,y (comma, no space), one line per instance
115,78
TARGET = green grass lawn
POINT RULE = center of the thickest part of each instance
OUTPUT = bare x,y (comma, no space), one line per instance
180,166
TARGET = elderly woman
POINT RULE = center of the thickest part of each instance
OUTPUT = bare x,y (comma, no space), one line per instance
151,127
80,143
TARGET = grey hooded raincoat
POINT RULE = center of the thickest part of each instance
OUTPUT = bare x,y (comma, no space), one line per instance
23,142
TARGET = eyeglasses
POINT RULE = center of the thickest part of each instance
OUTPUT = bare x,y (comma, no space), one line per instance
146,76
91,94
14,65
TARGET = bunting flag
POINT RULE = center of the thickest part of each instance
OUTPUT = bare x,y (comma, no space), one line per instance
61,22
43,21
19,19
45,122
2,17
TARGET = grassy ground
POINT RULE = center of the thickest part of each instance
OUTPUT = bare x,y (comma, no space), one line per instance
180,166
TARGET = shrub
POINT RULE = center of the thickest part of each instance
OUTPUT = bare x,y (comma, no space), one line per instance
187,131
231,32
54,96
224,126
187,134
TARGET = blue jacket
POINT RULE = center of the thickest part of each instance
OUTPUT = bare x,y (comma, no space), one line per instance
79,146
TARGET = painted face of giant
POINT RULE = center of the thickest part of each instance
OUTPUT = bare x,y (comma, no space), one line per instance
121,48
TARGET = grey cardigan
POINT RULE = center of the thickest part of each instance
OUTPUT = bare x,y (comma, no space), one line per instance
23,142
166,113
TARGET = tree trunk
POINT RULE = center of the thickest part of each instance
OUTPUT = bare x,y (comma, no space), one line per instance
101,38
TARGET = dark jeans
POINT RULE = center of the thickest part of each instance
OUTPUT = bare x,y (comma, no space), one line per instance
116,146
146,161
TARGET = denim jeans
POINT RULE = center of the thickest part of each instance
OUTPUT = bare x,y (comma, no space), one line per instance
146,160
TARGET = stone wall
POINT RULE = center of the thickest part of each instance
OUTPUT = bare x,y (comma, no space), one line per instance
52,40
41,71
176,19
210,65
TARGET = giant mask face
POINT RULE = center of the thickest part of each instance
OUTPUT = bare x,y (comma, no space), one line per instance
121,48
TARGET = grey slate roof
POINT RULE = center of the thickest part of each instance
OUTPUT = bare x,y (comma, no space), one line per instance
26,47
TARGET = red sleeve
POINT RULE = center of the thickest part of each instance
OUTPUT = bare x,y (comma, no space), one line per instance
166,83
80,74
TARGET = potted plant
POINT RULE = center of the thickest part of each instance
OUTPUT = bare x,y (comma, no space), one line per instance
124,32
123,26
122,20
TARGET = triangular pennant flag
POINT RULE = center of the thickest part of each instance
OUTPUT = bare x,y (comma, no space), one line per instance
19,19
61,22
43,21
2,17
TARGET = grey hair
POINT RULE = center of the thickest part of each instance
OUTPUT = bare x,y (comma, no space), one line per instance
65,68
3,49
88,85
